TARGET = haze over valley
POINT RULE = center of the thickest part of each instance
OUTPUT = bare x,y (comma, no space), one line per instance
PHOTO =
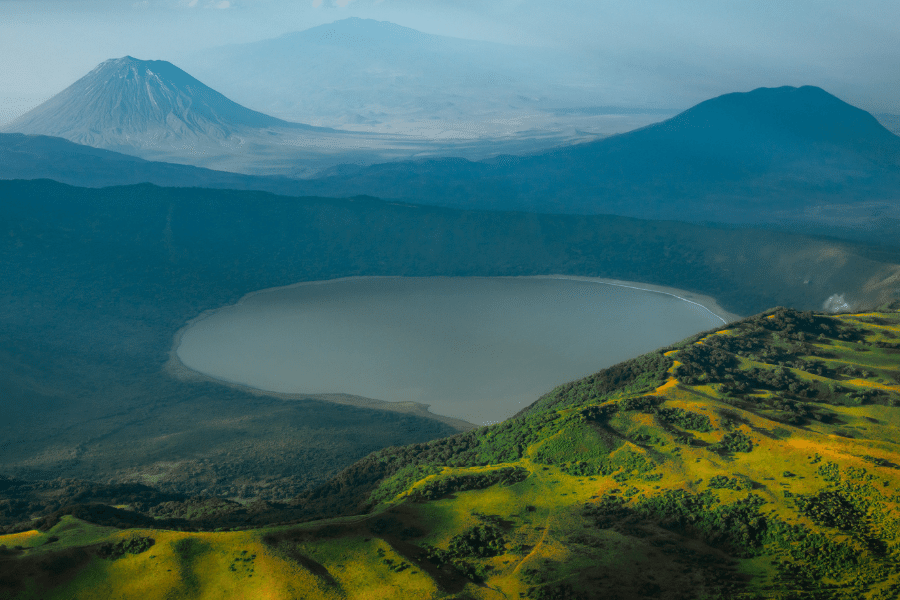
154,110
384,93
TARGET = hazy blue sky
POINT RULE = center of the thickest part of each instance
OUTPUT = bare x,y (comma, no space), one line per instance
678,52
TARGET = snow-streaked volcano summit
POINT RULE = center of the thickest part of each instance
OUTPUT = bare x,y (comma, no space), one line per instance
127,104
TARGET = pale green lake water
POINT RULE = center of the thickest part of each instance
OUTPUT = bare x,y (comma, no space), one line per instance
478,349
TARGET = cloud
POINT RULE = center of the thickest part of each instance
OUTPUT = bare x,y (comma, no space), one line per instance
217,4
337,3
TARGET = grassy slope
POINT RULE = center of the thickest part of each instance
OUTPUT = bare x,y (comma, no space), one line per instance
777,477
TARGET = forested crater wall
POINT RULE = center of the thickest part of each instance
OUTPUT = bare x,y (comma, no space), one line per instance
96,283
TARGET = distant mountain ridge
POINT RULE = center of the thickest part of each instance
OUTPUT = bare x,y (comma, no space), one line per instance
806,111
27,156
791,157
769,155
367,71
769,124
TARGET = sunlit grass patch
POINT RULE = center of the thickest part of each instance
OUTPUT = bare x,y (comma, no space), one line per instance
669,385
873,384
358,564
25,539
192,565
68,533
707,389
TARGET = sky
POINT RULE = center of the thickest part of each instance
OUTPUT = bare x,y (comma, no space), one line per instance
677,53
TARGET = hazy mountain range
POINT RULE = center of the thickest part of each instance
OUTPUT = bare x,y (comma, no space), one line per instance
796,157
381,76
770,155
155,110
789,156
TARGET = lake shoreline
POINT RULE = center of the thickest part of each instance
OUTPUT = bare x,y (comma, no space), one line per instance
174,367
707,302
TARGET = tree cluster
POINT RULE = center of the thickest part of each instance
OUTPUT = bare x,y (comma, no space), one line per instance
135,544
445,486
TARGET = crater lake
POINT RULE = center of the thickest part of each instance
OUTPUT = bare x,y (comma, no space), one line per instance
478,349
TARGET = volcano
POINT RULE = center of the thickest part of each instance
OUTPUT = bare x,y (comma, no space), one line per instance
126,104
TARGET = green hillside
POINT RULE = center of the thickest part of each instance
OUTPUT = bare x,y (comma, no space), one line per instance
758,461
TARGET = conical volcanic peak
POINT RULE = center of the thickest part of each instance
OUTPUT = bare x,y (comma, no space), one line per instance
131,102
